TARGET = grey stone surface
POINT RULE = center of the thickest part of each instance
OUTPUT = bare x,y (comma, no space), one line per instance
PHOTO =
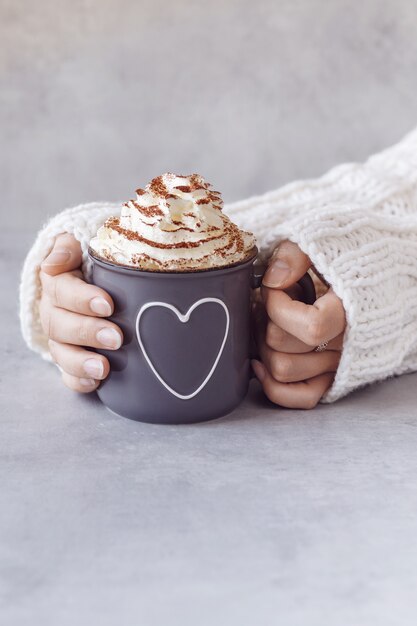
98,96
266,517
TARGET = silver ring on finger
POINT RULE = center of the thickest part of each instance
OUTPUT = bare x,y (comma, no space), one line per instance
322,346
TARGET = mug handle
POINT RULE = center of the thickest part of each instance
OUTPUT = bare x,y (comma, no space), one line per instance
305,282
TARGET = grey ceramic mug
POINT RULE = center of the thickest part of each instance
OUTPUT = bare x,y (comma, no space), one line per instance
185,355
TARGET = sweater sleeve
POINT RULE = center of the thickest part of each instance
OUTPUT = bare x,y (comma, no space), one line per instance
357,223
82,221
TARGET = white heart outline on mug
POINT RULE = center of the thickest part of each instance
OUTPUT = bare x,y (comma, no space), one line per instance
183,317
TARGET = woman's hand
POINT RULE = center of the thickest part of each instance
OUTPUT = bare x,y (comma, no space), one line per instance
72,313
291,371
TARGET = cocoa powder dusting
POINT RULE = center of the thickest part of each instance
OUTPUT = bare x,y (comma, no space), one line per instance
150,211
157,186
114,224
184,188
178,223
196,182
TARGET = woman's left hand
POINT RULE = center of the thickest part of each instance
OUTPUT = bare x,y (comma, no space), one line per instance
292,372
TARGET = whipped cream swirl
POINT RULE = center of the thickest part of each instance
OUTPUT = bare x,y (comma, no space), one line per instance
175,224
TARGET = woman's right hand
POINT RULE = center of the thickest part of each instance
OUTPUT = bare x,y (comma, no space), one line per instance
72,314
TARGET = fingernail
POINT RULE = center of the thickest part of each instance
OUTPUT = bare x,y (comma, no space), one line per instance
259,370
109,338
276,273
87,382
94,368
58,257
100,305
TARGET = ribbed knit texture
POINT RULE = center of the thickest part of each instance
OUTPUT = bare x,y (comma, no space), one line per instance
358,224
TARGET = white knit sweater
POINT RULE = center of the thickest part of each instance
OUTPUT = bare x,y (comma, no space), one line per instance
357,223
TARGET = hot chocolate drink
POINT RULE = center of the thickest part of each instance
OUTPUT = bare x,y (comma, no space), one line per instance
180,275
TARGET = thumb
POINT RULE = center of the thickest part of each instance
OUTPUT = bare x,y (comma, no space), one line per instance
65,256
287,265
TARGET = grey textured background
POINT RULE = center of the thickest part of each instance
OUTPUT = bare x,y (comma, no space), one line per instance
98,96
268,516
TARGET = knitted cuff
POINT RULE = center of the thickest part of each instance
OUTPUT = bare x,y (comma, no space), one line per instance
82,221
